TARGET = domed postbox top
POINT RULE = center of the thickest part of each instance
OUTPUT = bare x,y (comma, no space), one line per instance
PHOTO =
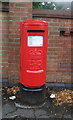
33,22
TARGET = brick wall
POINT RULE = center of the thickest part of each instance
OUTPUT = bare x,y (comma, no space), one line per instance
5,45
15,13
59,46
0,44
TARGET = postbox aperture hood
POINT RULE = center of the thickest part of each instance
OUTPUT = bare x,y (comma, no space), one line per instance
33,22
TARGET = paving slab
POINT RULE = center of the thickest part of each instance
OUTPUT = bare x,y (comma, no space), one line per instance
7,108
26,113
22,113
40,112
68,113
0,107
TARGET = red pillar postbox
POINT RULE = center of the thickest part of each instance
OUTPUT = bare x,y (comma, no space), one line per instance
33,53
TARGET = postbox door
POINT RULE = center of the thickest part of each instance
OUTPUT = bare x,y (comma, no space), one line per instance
35,44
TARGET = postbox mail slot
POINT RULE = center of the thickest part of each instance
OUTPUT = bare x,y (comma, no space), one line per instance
35,31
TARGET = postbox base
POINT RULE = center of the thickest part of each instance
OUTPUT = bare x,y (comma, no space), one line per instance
32,96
